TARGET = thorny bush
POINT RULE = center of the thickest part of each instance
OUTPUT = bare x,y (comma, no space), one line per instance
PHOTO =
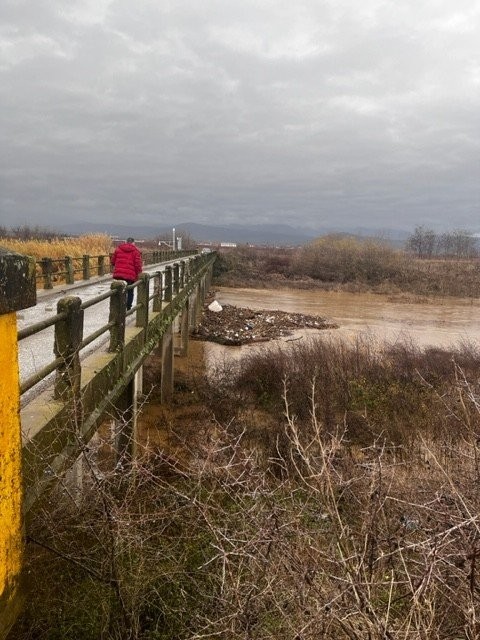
307,534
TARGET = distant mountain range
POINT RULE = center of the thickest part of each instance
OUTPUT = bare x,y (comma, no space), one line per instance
262,234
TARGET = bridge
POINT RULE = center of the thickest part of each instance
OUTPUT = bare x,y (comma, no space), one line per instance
48,419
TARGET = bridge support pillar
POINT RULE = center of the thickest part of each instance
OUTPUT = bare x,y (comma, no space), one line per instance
139,383
193,310
202,296
74,480
182,348
17,291
125,424
166,382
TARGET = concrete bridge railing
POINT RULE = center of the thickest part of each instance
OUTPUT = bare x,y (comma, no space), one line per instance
47,436
70,269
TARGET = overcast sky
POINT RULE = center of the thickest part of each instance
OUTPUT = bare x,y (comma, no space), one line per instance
340,113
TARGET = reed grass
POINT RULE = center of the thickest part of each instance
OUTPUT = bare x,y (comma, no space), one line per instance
58,248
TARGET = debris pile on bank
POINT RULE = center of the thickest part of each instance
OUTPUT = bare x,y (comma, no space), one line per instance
230,325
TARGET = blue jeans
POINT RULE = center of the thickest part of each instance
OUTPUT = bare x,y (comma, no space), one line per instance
129,292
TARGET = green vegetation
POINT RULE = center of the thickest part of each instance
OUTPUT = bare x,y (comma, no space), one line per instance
332,492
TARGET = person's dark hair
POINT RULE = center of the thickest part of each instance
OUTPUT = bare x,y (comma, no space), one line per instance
130,240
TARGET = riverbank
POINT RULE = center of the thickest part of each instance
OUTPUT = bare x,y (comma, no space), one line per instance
347,264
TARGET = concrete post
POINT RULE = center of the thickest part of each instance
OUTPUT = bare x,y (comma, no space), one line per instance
158,291
176,278
198,303
47,273
183,329
166,382
143,293
126,446
70,275
124,416
86,267
17,291
117,316
101,265
139,382
168,284
201,297
192,310
182,274
68,337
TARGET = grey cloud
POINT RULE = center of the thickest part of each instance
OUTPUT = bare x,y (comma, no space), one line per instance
261,111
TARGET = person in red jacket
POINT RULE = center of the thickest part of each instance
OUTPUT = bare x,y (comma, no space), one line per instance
127,265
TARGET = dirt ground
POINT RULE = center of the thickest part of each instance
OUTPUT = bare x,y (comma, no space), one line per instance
174,430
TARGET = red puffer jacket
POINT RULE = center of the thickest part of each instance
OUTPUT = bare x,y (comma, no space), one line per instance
127,262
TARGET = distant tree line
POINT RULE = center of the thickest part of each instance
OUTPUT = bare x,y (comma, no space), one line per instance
422,243
425,243
27,232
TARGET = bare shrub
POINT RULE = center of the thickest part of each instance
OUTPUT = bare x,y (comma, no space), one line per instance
254,266
275,522
344,545
348,259
386,392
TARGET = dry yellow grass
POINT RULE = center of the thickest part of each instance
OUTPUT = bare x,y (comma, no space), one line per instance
59,248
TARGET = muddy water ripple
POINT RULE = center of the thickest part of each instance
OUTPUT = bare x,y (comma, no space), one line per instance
440,322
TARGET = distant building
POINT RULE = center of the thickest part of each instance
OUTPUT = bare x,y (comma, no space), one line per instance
215,246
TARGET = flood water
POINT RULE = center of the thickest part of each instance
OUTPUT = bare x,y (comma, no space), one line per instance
440,322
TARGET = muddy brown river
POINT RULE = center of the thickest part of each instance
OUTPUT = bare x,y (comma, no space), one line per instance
438,322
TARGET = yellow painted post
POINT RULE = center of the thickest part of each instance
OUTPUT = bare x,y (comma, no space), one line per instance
17,291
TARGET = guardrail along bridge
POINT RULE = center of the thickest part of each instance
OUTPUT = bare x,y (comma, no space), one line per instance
49,417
